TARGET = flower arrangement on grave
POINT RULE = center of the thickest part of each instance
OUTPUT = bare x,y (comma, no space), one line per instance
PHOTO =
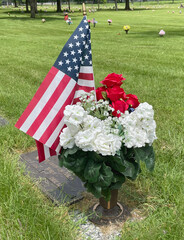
69,21
94,22
126,28
107,136
109,21
162,33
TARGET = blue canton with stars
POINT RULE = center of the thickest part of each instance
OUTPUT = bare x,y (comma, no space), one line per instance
76,52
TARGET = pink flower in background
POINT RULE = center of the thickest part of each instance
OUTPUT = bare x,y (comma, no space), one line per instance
109,21
162,33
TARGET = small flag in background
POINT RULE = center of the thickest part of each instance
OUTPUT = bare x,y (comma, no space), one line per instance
71,75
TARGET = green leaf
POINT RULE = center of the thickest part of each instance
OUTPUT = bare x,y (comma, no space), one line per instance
96,157
116,185
118,177
94,189
105,177
130,170
60,158
145,154
74,160
71,151
116,163
106,194
104,95
91,172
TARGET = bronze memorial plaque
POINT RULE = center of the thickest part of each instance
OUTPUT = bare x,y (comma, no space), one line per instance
59,184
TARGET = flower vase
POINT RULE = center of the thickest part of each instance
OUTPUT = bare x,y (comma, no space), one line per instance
107,211
113,201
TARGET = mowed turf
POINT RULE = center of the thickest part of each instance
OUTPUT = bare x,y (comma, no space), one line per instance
153,68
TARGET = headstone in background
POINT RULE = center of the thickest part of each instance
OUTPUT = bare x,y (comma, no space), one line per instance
59,184
3,121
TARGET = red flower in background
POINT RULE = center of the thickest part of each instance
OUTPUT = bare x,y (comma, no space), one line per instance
132,100
116,93
120,105
99,92
112,80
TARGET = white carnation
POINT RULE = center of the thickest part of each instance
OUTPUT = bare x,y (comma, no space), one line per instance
74,114
66,139
107,144
139,126
85,140
91,122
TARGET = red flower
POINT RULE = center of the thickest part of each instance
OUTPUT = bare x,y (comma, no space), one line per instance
116,93
99,92
113,79
132,100
120,105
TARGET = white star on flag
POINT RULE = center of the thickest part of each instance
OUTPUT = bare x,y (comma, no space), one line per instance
70,45
67,61
60,63
73,52
69,69
65,54
74,60
79,51
80,29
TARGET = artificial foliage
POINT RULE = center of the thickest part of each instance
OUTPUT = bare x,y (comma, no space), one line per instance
101,174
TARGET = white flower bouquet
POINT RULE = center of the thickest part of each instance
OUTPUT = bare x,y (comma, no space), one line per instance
103,144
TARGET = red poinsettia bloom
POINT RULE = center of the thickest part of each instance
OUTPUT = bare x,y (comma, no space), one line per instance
116,93
99,92
113,79
121,106
132,100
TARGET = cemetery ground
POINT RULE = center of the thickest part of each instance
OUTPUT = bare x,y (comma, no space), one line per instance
153,68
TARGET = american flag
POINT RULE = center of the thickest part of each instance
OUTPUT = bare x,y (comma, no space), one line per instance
71,75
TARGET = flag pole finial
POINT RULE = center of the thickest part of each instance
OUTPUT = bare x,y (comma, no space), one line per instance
84,9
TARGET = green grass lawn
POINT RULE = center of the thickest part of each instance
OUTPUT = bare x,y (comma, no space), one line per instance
153,68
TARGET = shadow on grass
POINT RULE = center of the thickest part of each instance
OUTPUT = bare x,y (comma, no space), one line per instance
131,196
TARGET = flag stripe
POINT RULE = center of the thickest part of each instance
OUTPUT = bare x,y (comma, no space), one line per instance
86,69
86,76
49,105
52,120
41,153
46,151
41,90
59,148
40,105
86,83
54,134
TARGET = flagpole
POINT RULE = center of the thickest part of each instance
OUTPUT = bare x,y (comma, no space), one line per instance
84,9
